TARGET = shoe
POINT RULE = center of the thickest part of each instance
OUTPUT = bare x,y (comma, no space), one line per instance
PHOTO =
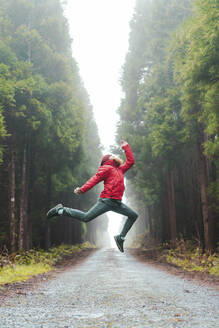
54,211
119,242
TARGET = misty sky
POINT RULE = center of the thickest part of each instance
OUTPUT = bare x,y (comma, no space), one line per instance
100,30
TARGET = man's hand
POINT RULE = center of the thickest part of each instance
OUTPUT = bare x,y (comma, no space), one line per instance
77,191
123,143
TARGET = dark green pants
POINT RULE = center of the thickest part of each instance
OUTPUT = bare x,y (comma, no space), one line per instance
104,205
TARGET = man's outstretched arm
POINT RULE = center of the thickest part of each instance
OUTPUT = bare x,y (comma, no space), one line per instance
130,160
99,176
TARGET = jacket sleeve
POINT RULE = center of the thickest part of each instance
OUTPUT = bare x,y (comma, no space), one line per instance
99,176
130,160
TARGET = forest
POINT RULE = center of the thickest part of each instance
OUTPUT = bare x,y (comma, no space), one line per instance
47,130
169,113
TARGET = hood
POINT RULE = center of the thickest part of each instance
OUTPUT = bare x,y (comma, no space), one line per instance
111,162
105,159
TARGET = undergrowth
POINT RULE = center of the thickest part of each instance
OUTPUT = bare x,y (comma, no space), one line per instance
190,257
20,266
186,254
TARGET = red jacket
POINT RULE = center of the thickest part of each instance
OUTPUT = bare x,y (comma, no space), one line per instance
112,176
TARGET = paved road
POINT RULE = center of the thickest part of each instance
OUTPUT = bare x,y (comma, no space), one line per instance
113,290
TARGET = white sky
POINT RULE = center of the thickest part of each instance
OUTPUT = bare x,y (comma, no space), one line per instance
100,31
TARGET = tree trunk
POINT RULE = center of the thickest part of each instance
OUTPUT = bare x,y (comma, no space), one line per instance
28,224
29,235
47,226
204,182
69,231
12,199
165,218
23,214
171,205
26,219
150,223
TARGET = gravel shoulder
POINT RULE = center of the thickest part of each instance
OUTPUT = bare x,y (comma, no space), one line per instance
21,288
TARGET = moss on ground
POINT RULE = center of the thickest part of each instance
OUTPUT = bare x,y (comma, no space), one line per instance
16,273
194,260
21,266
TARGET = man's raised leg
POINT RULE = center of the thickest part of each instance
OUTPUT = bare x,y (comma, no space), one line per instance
98,209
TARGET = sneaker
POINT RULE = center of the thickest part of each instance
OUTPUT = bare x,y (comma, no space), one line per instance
54,211
119,242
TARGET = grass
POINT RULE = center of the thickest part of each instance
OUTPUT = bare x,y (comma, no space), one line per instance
21,266
193,259
186,254
21,272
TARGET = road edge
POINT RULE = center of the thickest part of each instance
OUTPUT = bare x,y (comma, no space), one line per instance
200,278
33,282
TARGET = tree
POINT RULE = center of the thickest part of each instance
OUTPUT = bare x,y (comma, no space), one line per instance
150,111
44,117
170,115
196,72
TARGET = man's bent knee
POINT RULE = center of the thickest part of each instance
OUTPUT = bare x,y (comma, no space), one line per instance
134,216
88,218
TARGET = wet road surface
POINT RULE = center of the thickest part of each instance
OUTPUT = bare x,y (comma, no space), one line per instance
113,290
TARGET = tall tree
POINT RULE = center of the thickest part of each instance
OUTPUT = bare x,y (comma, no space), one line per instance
197,68
44,118
170,115
149,113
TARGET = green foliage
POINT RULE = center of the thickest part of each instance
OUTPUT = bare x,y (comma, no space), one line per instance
170,84
21,266
192,258
196,73
34,256
21,272
196,70
44,111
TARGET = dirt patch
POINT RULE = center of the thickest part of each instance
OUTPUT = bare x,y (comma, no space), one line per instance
20,288
153,257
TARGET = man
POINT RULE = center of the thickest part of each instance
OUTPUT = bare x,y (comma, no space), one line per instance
111,171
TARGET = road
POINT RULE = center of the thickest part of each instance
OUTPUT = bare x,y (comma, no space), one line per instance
113,290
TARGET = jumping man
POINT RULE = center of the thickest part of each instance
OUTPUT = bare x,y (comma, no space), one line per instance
111,171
